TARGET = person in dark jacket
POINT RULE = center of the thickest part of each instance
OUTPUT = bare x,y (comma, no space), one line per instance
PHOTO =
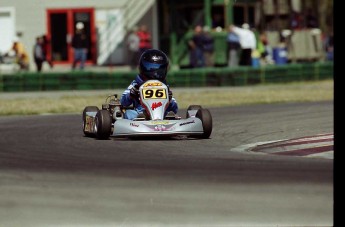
153,65
80,44
46,48
196,48
208,47
38,53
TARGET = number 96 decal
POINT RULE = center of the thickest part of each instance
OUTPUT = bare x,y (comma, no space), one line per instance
154,93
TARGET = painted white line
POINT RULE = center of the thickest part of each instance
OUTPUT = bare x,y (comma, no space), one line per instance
312,138
248,147
287,147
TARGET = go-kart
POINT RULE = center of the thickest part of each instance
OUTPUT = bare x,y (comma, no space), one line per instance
153,95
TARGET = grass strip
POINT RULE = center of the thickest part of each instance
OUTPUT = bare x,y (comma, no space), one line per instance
74,102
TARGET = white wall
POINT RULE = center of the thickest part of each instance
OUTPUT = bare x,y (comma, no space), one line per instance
7,25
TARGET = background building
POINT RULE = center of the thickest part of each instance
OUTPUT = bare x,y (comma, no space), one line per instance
106,24
169,21
305,43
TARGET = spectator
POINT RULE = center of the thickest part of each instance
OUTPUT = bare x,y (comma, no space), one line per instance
217,20
296,21
329,47
311,20
208,47
80,44
247,41
234,47
196,55
46,49
145,39
19,54
133,48
266,52
38,53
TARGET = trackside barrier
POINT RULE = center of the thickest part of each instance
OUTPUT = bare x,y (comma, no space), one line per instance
200,77
240,76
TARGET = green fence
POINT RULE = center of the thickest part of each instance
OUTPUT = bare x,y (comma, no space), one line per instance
201,77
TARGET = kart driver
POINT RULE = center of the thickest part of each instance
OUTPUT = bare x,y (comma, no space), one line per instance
153,65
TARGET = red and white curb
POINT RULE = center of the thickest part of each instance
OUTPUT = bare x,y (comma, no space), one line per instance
318,146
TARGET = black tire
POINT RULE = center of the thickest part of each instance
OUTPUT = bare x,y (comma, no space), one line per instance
205,116
88,109
103,124
192,107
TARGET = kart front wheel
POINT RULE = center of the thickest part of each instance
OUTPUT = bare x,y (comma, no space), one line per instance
88,109
103,124
205,116
192,107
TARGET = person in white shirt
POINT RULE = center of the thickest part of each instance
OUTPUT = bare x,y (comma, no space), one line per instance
247,41
133,41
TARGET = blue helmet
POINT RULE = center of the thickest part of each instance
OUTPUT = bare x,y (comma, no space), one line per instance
153,65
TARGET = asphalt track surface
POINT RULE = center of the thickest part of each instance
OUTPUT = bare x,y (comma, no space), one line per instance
51,175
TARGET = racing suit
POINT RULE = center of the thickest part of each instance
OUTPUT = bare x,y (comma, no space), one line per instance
127,100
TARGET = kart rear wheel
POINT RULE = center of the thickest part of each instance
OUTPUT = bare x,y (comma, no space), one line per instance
103,124
192,107
205,116
88,109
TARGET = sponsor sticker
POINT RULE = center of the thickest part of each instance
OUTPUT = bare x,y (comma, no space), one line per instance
156,58
134,124
156,105
152,84
159,122
160,128
89,123
187,123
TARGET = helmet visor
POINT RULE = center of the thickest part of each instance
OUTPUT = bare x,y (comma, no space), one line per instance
154,70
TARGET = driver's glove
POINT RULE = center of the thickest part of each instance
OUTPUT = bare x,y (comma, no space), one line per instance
134,92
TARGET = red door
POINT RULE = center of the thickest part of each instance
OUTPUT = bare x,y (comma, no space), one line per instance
61,28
